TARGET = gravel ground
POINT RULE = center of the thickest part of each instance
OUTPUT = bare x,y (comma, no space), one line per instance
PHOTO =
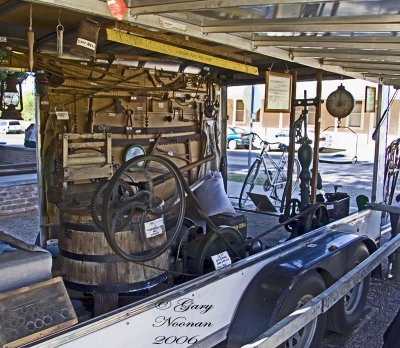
383,294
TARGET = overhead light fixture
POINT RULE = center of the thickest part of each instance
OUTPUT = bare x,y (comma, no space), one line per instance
10,98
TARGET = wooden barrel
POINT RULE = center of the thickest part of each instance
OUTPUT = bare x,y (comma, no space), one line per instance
90,265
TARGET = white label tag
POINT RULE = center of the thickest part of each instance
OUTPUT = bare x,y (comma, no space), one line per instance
111,114
154,228
221,260
161,105
86,43
44,102
139,108
62,115
330,206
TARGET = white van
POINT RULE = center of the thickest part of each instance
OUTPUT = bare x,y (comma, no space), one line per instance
10,126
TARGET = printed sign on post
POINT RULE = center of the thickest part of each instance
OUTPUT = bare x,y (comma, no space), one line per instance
221,260
154,228
278,92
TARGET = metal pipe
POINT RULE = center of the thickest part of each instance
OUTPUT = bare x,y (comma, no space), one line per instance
380,145
223,123
317,132
291,151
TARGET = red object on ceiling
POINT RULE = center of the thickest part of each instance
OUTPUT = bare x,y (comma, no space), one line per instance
117,8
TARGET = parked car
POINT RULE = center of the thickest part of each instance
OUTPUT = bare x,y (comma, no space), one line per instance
325,139
30,136
237,137
10,126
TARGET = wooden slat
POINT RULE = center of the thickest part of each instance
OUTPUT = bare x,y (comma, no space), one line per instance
92,144
74,136
86,154
88,172
86,160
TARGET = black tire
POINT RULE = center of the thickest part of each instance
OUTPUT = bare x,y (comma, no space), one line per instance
348,310
307,287
249,184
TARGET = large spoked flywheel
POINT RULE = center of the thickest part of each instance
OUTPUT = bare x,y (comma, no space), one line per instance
152,188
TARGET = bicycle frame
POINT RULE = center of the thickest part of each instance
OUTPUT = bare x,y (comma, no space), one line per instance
278,168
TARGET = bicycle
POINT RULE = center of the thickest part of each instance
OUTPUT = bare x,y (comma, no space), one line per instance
271,180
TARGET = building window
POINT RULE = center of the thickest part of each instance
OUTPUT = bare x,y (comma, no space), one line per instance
239,112
355,119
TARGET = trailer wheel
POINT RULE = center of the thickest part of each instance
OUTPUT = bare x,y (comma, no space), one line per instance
348,310
306,288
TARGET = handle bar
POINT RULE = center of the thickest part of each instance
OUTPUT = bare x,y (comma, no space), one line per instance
264,141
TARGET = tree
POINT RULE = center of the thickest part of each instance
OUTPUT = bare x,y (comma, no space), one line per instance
28,112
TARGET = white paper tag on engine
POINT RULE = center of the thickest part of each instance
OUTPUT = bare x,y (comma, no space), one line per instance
221,260
154,227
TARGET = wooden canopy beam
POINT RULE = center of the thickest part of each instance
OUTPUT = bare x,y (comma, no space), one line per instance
136,41
179,40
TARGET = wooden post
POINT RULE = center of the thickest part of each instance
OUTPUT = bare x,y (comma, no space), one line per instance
317,132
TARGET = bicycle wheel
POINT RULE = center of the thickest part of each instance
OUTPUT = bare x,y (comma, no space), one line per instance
251,184
278,190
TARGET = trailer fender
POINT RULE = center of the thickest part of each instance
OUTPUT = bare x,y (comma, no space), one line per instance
260,302
257,305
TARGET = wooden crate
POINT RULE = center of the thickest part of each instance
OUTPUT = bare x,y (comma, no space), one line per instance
34,311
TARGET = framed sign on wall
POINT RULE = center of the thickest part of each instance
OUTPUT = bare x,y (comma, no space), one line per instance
370,97
278,92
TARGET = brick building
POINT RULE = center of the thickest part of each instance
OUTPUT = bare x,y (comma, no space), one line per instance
267,124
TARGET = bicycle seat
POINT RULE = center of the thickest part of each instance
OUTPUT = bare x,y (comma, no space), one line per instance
283,147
